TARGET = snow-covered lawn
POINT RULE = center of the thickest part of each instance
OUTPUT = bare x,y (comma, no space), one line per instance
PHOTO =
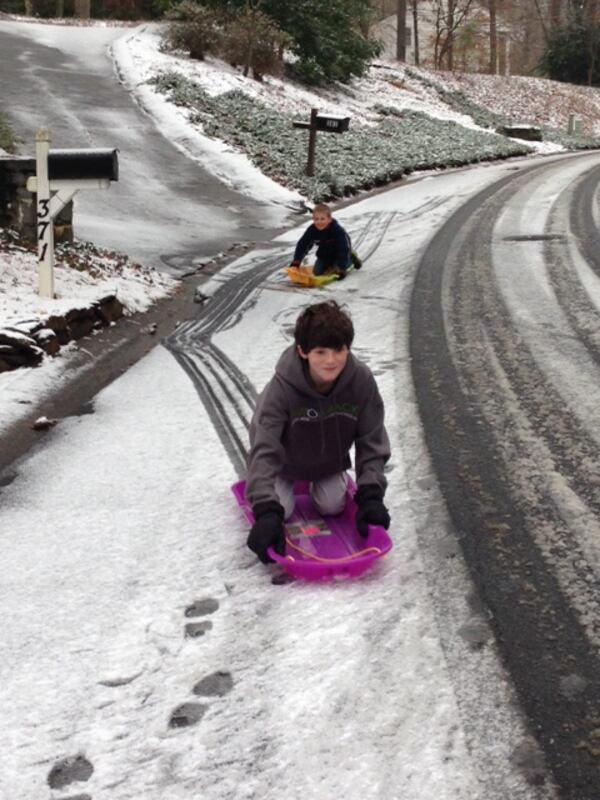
83,274
402,118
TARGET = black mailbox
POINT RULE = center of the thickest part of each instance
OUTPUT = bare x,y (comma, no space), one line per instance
82,164
332,123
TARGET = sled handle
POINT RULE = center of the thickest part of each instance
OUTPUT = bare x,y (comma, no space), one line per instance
343,560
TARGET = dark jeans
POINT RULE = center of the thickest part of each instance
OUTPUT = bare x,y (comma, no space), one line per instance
322,266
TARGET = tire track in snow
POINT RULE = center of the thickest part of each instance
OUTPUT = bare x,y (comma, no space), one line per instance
227,394
574,260
513,462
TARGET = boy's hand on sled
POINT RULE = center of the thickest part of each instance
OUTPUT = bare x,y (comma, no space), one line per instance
371,510
267,530
295,263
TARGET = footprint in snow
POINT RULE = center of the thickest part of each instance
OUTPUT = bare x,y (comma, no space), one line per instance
69,770
187,714
217,684
200,608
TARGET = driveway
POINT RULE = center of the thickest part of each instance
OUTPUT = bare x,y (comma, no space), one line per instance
166,210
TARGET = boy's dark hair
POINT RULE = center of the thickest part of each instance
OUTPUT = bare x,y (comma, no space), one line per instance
323,325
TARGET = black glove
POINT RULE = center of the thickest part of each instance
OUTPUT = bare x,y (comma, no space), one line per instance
295,263
371,510
267,530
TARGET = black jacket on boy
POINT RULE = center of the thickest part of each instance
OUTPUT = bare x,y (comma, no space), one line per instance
333,244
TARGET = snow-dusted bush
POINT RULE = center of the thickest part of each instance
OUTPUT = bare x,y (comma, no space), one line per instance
345,164
248,38
253,41
194,29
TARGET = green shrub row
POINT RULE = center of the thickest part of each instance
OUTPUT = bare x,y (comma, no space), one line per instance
363,158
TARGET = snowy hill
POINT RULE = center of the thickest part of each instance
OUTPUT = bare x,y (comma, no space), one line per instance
402,118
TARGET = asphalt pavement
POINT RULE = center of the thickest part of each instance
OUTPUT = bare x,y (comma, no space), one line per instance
166,211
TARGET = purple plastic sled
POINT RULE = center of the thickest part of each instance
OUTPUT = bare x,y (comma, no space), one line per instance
323,548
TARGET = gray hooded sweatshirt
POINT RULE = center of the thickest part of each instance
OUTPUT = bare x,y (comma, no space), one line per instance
300,434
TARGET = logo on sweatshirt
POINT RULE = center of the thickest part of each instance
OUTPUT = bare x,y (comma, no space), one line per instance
312,414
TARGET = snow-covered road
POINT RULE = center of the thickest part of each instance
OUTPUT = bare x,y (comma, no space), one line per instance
146,653
388,687
172,206
505,356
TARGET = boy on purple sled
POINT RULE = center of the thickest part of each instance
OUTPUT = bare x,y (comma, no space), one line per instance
320,402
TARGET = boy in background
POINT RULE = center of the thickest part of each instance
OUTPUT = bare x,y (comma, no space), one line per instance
320,402
334,250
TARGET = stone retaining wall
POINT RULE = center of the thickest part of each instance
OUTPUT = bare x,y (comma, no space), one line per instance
25,343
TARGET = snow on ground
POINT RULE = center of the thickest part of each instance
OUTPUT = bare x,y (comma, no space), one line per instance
387,85
537,100
81,277
137,57
388,699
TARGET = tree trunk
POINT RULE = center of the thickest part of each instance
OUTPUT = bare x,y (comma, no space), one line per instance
401,32
555,13
450,39
60,8
591,11
83,9
29,8
592,14
437,60
493,38
416,32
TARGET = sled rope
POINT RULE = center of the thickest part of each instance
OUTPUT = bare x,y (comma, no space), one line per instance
341,560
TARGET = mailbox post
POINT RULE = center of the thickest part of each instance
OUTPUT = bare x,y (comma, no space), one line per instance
45,229
59,175
331,123
312,143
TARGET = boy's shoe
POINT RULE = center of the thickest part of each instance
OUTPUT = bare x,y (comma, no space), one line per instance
341,273
356,262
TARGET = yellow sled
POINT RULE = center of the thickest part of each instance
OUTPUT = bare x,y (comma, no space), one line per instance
303,276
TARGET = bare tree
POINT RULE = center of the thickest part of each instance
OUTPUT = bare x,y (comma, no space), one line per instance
451,28
555,12
401,30
591,13
60,8
29,8
493,38
416,31
449,16
541,15
528,34
82,9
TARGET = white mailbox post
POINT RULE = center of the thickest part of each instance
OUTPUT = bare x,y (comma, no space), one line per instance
45,229
59,175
